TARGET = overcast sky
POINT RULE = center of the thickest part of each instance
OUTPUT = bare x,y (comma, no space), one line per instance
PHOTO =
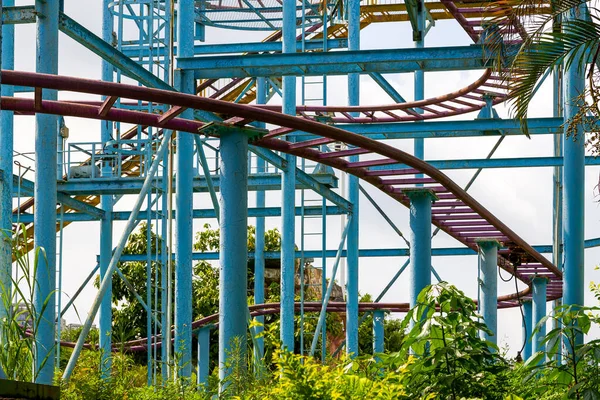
520,197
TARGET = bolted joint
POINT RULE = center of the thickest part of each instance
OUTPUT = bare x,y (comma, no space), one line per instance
414,193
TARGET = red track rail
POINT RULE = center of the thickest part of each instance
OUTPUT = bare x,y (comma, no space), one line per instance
391,170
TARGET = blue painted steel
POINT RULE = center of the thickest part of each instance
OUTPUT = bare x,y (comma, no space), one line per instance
288,192
104,284
46,129
341,62
488,287
207,176
419,77
106,204
132,185
574,186
433,129
135,52
259,258
203,355
527,328
233,247
538,312
420,241
352,260
17,15
378,331
184,202
7,43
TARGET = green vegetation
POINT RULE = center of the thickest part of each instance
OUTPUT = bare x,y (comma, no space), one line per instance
441,357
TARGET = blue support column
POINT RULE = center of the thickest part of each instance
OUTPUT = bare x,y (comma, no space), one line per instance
106,203
45,195
419,42
288,191
233,306
378,331
574,185
259,248
527,328
352,245
488,286
420,241
203,355
6,160
539,312
184,201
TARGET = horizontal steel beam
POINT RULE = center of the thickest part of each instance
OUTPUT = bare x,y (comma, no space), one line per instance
435,129
123,186
274,255
341,62
199,214
136,51
27,189
527,162
18,15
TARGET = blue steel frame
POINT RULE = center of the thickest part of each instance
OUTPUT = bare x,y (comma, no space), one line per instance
149,59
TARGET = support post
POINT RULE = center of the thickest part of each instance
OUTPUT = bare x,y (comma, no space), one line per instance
488,286
233,248
288,191
106,204
184,200
420,241
7,50
378,331
574,184
46,128
419,77
259,248
203,355
527,329
539,312
352,259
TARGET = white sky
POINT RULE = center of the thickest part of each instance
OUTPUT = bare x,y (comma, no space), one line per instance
522,198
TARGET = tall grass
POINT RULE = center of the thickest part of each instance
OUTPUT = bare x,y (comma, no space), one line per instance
22,322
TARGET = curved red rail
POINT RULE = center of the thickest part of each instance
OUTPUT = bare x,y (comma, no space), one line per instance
391,170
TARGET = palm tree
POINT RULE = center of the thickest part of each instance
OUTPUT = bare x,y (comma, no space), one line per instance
562,35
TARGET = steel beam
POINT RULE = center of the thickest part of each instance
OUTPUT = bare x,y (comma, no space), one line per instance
46,130
352,245
288,189
378,331
488,287
539,312
342,62
420,241
12,15
184,201
106,204
123,186
574,183
527,328
233,250
7,56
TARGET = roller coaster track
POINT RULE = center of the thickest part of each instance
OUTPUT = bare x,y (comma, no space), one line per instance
389,169
487,90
